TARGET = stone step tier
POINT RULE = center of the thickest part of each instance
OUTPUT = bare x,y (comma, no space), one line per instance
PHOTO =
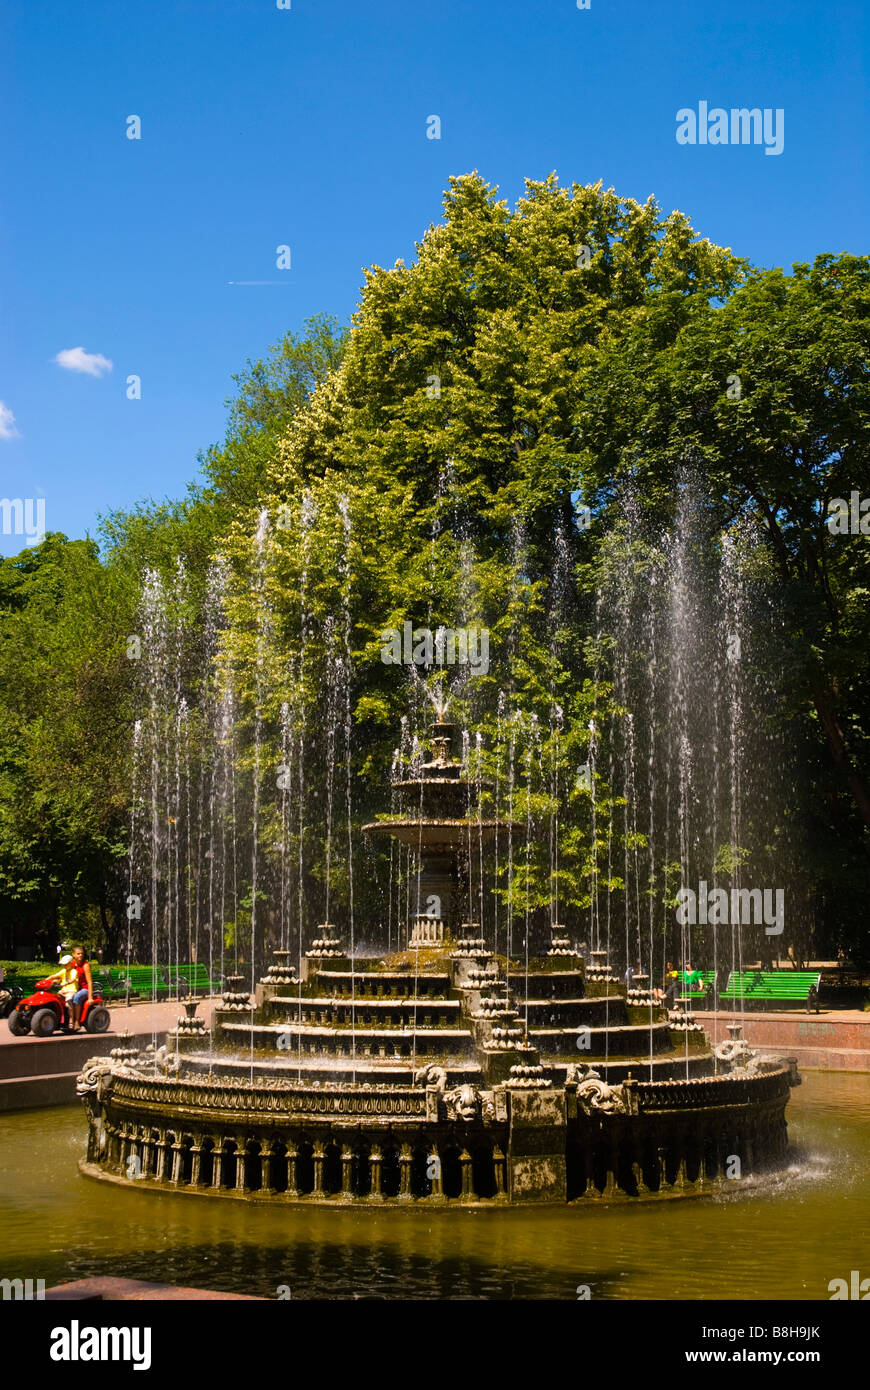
365,1011
328,1042
362,1070
383,984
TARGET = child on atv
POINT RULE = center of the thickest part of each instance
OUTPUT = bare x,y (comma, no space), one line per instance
67,978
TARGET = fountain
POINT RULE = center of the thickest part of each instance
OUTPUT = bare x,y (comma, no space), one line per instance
437,826
482,1055
443,1073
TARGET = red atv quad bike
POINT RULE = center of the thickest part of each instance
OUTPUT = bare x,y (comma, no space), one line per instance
45,1011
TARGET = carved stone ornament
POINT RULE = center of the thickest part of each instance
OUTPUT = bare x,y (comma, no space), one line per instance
463,1103
595,1094
89,1077
738,1055
431,1075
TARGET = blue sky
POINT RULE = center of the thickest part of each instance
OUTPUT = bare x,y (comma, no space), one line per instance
307,127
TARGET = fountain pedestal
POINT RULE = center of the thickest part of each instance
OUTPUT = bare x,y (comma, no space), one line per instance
441,823
426,931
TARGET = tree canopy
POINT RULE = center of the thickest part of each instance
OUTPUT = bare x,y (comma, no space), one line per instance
501,438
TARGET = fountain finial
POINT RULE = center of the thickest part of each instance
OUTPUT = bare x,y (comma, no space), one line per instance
441,739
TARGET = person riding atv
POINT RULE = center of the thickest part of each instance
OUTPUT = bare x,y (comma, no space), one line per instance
48,1009
66,979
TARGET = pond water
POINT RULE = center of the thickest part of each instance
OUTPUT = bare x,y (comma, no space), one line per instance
784,1240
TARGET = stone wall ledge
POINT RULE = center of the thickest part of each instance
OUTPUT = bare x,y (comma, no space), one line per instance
825,1041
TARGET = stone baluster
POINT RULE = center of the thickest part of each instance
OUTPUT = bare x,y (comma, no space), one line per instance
681,1181
135,1151
435,1176
113,1144
121,1146
118,1146
217,1164
195,1162
94,1132
662,1156
292,1169
376,1158
467,1192
267,1156
499,1166
347,1171
241,1165
611,1186
319,1161
162,1152
704,1173
637,1170
149,1154
405,1161
131,1146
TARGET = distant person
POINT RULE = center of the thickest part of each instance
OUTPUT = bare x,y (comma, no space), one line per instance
669,983
628,977
793,960
85,989
694,980
5,996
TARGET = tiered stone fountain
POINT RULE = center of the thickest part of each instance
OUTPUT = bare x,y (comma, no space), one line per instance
454,1077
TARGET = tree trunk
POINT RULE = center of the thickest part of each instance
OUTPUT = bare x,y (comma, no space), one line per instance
110,932
826,709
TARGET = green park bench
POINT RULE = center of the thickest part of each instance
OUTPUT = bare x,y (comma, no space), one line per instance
780,987
194,978
146,981
28,979
697,995
112,986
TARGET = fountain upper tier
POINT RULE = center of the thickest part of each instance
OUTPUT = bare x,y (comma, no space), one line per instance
442,807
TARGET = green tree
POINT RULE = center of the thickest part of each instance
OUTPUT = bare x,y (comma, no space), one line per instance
765,395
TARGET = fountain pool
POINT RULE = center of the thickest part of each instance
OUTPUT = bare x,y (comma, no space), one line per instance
784,1239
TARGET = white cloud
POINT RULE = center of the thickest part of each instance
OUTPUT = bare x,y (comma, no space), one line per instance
77,360
7,423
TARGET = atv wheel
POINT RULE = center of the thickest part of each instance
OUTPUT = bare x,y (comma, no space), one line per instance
98,1019
43,1023
18,1025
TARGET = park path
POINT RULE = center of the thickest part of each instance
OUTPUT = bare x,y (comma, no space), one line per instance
37,1072
141,1016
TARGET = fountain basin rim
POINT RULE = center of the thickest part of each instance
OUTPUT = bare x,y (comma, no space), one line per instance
414,783
716,1189
434,832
